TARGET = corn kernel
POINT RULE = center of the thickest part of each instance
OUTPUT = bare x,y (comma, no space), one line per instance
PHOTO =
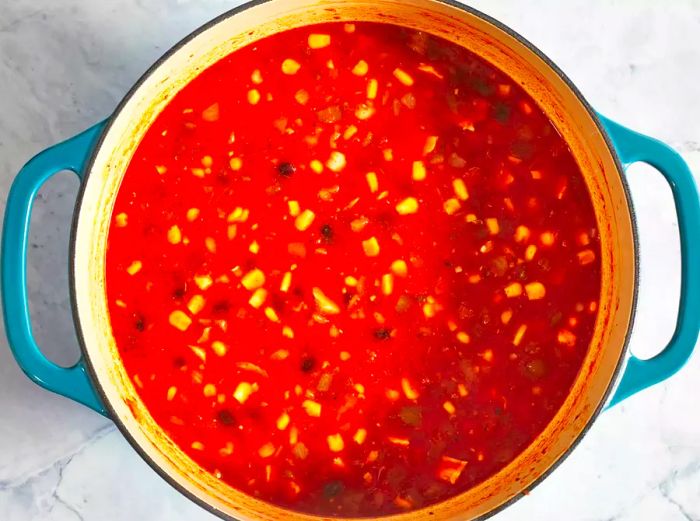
283,421
585,257
547,238
566,337
492,225
336,162
403,77
430,144
535,290
195,304
324,304
266,450
360,436
361,68
211,113
514,289
407,206
399,268
134,267
253,96
530,252
243,392
418,171
120,220
271,314
522,233
335,442
372,88
304,220
463,337
371,247
253,279
236,163
312,408
302,97
460,189
449,407
172,391
519,335
451,206
219,348
179,320
197,445
408,389
290,67
209,390
258,298
203,281
319,41
387,284
506,316
372,181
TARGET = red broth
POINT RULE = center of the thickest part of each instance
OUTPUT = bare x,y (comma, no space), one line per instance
353,269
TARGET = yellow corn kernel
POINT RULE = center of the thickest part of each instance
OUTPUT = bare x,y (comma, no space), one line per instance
387,283
302,97
403,77
336,162
462,390
335,442
290,67
460,189
407,206
253,279
179,320
243,392
361,68
280,354
283,421
492,225
357,225
530,252
312,408
197,445
211,113
506,316
547,238
120,303
256,77
430,144
449,407
371,247
519,335
192,214
207,161
364,111
487,355
134,267
522,233
209,390
585,257
535,290
236,163
323,303
344,356
199,352
514,289
316,166
219,348
350,281
372,88
319,41
287,332
266,450
198,172
254,247
392,394
388,154
271,314
203,281
258,298
399,268
408,389
360,436
253,96
210,244
196,304
172,391
294,208
304,220
463,337
372,181
566,337
418,172
451,206
120,220
350,131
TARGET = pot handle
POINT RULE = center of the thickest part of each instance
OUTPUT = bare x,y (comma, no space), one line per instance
632,147
72,382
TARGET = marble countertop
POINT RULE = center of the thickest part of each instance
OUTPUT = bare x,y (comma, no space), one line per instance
65,65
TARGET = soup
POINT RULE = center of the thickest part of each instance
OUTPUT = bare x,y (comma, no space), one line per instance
353,269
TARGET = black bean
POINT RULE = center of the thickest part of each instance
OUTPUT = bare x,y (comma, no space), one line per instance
307,364
382,333
332,489
286,169
327,232
225,417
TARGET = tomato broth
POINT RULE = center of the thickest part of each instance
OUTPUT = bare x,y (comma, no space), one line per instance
353,269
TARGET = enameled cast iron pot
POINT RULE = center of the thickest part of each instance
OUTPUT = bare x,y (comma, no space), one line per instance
100,155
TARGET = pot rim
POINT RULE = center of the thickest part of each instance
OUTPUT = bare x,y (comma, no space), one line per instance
624,353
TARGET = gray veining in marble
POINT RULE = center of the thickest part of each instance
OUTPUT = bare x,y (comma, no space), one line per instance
65,64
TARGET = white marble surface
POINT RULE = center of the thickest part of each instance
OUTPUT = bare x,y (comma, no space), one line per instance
65,64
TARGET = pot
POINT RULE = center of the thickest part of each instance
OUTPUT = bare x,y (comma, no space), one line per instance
100,155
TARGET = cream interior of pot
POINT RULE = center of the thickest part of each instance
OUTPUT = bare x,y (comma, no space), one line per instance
509,54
